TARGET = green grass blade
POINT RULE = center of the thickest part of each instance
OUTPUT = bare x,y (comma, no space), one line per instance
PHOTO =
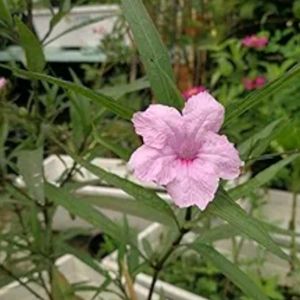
231,271
225,208
260,179
35,58
153,52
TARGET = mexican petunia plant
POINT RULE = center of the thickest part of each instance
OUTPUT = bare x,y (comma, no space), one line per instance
183,151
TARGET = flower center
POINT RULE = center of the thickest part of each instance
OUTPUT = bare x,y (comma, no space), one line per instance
187,153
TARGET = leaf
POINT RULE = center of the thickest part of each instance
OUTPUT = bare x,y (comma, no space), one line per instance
231,271
80,118
128,207
151,49
123,89
148,197
60,287
239,107
5,15
116,149
260,179
4,130
34,54
76,27
83,256
257,143
103,100
225,208
30,163
220,232
82,209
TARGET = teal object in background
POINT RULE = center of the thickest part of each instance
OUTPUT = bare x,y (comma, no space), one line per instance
53,54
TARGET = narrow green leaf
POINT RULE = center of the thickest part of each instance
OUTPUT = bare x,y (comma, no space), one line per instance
151,49
225,208
30,163
60,287
260,179
254,98
5,15
221,232
257,143
4,130
231,271
116,149
34,54
148,197
80,114
129,207
82,209
106,101
123,89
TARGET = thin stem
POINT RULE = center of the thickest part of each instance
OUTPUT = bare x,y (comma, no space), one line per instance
292,227
160,264
15,277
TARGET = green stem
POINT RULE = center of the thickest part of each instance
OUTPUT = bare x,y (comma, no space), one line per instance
292,227
160,264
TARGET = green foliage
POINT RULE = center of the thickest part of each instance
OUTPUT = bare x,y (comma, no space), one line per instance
153,53
35,59
96,122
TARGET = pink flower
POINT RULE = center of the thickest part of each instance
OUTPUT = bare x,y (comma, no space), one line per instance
260,81
255,83
3,82
193,91
254,41
249,84
183,151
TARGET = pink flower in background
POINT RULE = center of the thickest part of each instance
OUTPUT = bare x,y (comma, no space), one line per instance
249,84
260,81
255,83
254,41
3,82
183,151
193,91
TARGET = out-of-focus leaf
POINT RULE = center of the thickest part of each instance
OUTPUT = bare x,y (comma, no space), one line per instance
116,149
129,207
239,107
34,54
257,143
225,208
4,128
61,288
148,197
5,15
231,271
106,101
80,118
82,209
152,51
123,89
30,163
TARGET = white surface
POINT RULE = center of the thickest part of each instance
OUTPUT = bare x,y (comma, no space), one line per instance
87,36
152,233
75,271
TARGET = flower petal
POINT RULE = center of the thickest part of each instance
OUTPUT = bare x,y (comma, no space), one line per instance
202,111
153,165
195,184
157,124
217,151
